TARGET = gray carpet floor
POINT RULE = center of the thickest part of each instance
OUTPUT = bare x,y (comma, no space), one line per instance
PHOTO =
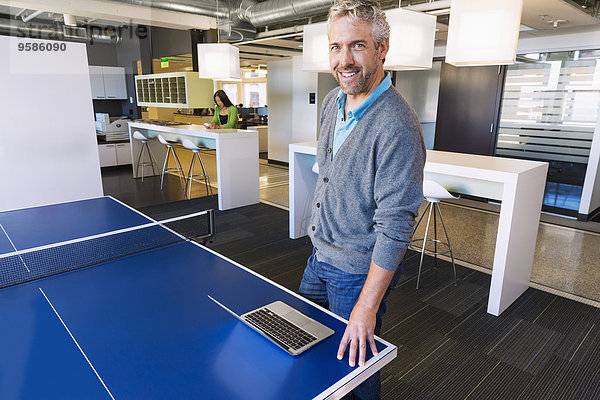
542,347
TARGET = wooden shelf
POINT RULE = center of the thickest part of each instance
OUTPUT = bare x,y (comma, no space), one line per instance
174,90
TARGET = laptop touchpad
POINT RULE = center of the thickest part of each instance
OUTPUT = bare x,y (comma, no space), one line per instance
297,318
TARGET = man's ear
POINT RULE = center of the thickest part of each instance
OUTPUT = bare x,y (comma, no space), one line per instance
384,47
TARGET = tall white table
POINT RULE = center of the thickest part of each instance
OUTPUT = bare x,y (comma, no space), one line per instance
518,184
236,152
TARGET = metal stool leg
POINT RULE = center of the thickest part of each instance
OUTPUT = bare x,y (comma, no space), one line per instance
190,176
435,243
180,173
206,178
137,167
152,159
448,239
179,168
162,174
422,215
143,163
424,243
144,146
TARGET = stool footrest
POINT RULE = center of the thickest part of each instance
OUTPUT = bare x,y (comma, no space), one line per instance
419,248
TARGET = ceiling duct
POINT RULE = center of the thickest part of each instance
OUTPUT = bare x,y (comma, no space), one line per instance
238,19
212,8
276,11
55,32
258,14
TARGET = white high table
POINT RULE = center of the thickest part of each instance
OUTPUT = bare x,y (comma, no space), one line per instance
518,184
236,151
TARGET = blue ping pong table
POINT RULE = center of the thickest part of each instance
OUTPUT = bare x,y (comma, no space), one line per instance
142,326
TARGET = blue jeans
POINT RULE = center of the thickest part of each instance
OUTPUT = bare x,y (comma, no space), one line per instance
338,291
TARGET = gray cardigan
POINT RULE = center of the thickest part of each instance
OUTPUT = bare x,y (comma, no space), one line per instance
367,198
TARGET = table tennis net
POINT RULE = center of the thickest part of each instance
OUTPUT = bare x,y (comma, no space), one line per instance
40,262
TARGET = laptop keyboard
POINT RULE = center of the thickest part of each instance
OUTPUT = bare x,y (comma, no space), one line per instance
279,329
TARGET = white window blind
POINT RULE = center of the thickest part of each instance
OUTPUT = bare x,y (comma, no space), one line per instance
550,108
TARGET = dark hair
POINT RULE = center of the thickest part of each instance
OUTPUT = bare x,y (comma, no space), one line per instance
223,96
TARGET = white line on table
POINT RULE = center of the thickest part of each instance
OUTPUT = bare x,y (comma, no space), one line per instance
78,346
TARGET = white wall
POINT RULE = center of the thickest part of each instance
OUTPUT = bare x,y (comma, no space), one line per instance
304,115
48,150
421,91
279,93
325,83
291,118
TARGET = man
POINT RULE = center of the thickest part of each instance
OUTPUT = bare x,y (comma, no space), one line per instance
370,159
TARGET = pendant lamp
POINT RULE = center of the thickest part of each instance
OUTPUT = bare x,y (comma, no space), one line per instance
483,32
218,61
412,36
315,48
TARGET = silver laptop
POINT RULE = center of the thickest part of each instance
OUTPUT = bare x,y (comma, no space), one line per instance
283,325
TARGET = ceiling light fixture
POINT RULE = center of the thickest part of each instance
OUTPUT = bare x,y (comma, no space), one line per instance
412,37
315,48
70,20
556,22
441,11
218,61
483,32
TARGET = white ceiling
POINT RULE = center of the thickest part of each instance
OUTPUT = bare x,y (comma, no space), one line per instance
539,15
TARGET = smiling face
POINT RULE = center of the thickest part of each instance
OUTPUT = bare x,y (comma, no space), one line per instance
355,61
219,102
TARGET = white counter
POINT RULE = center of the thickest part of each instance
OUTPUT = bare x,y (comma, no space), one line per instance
236,152
518,184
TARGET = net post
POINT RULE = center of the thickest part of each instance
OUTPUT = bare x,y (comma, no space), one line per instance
211,222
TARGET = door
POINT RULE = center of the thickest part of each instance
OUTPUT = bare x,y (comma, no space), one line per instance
97,82
468,109
114,82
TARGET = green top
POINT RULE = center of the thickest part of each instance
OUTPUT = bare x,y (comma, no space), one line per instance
232,118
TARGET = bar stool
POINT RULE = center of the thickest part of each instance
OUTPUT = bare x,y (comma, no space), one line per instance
139,136
187,143
170,145
433,193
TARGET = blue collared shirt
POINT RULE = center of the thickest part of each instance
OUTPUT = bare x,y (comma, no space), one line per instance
344,127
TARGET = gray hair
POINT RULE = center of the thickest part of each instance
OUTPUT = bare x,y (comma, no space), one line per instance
362,10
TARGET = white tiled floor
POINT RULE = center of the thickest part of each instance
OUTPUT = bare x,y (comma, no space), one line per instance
274,181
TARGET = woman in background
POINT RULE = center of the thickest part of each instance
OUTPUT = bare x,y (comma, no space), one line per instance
226,115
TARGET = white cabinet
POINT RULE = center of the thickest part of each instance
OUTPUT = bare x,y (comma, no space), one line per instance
108,155
97,82
123,151
114,154
108,83
174,90
114,82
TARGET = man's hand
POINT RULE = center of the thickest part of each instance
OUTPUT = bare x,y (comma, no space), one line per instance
360,330
361,324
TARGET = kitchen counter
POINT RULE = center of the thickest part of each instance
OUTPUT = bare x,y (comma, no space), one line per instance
236,153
